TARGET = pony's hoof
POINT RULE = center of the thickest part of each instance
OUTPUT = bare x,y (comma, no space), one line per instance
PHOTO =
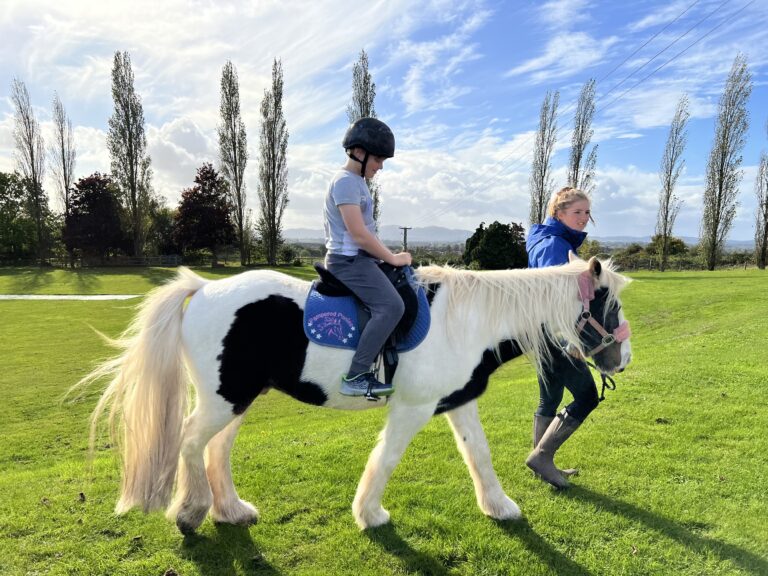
503,509
185,528
371,519
242,514
189,522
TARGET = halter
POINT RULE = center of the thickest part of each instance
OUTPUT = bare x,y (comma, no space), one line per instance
621,333
586,295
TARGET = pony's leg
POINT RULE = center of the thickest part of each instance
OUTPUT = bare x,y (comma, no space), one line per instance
403,423
227,506
473,446
193,493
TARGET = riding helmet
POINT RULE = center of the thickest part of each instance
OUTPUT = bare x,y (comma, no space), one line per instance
372,135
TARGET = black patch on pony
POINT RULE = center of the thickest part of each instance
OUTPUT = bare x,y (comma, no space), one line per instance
265,347
477,384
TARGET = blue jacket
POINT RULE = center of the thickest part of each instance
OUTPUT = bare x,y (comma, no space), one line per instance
548,244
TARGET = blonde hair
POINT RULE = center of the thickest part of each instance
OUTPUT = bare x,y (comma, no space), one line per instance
564,197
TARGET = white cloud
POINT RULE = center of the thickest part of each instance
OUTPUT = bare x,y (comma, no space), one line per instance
563,13
178,148
565,55
663,15
428,85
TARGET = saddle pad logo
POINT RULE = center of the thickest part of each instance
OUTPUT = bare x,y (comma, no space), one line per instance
332,326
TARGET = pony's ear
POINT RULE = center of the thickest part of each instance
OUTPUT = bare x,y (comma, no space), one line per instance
595,267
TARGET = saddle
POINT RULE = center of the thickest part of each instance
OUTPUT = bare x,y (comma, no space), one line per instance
334,316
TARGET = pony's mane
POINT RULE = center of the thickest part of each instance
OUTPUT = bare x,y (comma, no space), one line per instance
531,297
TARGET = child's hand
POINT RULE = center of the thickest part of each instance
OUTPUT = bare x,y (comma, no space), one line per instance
402,259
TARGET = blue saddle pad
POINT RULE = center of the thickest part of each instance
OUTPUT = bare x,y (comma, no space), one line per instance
333,321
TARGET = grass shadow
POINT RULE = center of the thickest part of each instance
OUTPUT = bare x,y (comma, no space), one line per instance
414,562
229,552
702,545
558,563
87,280
27,280
153,275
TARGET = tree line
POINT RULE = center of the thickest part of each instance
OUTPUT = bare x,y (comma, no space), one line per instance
118,212
723,171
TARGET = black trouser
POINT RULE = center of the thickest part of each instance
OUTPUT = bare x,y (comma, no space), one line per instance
563,372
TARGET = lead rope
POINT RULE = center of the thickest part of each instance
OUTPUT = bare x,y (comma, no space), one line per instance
608,382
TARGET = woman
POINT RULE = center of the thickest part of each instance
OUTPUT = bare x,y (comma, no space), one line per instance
548,244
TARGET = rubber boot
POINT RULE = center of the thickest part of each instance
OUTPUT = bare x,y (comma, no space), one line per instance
540,424
541,459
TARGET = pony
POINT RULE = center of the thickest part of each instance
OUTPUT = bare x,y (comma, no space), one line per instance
235,338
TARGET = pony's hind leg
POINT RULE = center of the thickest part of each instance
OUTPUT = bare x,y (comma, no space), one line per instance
193,496
227,506
473,446
403,423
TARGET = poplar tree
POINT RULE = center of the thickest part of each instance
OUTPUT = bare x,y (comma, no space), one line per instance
127,144
233,154
761,213
724,166
541,182
362,106
273,168
581,166
61,158
30,159
672,163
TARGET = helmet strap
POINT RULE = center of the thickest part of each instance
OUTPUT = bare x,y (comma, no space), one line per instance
363,162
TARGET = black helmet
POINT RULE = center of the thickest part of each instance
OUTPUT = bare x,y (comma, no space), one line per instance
372,135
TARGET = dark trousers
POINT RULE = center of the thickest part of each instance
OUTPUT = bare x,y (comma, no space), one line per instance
362,275
566,372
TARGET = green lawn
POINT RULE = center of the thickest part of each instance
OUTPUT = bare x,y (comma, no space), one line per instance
674,464
116,280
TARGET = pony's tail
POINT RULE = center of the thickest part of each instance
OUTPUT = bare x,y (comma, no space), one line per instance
148,395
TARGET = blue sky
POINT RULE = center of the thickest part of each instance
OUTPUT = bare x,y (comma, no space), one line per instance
460,82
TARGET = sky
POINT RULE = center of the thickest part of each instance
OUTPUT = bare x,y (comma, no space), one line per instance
460,82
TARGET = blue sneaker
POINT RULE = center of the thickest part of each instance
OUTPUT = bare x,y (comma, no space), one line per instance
365,384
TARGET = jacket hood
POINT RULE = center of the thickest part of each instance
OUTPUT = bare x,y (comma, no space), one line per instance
552,227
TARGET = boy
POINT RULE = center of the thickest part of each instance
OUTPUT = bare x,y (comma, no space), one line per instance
354,250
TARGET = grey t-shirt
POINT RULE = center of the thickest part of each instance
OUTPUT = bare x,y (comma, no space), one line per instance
345,188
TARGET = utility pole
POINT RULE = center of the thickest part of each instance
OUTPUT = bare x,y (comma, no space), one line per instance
405,236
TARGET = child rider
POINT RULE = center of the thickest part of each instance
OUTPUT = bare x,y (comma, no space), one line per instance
354,251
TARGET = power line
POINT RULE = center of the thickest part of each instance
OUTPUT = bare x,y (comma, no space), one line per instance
667,47
518,163
675,56
651,39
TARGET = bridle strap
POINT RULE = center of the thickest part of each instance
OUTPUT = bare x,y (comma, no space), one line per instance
586,295
620,334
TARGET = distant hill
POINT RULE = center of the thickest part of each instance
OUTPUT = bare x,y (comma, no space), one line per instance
389,234
439,235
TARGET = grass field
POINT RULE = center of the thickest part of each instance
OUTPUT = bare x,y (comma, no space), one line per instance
674,465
